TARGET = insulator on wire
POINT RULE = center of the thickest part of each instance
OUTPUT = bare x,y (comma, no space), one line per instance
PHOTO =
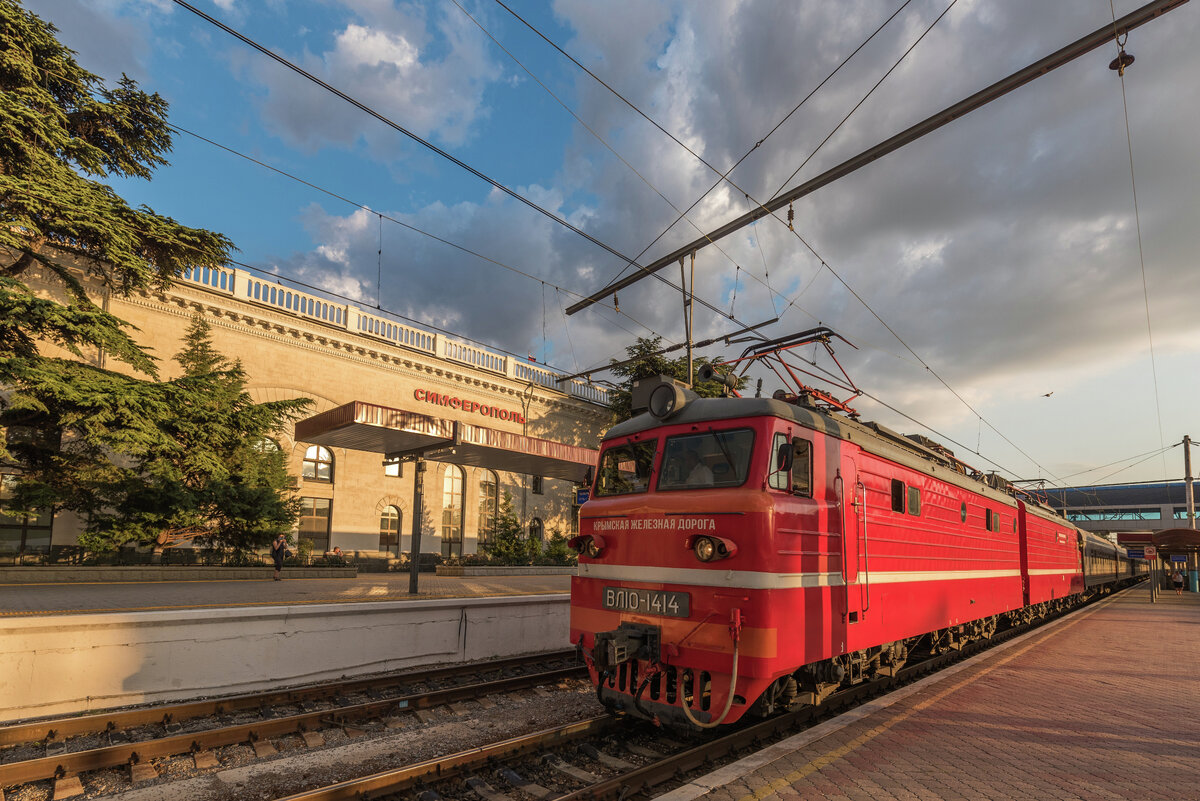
1122,61
791,217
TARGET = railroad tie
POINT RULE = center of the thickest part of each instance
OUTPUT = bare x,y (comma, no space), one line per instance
142,772
485,791
520,782
643,751
263,748
67,787
556,762
592,752
205,759
313,739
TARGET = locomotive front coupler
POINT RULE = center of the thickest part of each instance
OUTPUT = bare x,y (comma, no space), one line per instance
627,641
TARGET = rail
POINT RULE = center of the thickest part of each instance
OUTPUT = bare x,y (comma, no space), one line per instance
249,288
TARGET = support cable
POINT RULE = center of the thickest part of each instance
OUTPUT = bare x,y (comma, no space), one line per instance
1122,61
401,129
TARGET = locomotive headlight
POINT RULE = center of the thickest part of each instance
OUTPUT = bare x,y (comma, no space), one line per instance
705,549
588,544
710,549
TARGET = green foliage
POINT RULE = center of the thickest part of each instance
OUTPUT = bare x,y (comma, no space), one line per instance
557,552
134,456
213,476
651,362
507,546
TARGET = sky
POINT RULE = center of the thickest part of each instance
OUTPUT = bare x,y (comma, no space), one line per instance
1011,287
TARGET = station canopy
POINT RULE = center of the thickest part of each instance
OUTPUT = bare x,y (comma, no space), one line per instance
399,434
1177,541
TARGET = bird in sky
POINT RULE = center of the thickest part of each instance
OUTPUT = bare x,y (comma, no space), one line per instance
1048,394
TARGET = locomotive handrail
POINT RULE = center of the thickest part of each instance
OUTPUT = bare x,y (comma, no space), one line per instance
862,526
839,489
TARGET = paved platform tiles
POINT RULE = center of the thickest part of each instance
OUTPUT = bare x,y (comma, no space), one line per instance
1101,705
52,599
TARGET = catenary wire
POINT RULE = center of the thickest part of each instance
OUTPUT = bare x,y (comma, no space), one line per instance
382,216
601,139
401,129
1141,254
723,176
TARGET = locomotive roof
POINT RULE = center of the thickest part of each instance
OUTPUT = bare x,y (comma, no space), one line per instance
872,437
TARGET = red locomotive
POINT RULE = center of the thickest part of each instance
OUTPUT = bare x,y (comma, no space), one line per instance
753,554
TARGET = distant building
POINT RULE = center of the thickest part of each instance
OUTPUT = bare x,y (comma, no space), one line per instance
298,344
1113,508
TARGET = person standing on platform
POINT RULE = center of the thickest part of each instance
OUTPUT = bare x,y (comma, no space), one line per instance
278,552
1177,580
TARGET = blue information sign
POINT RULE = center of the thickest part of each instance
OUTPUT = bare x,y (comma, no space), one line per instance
581,496
1135,553
1178,557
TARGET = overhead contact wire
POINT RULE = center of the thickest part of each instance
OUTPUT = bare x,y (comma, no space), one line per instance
401,129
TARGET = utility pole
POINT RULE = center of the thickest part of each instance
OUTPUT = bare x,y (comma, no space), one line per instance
1193,574
414,563
1187,481
688,288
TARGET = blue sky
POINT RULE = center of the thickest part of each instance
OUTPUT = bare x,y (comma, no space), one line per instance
1002,249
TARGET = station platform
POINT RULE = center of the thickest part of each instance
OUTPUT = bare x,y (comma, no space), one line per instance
68,648
1102,704
21,600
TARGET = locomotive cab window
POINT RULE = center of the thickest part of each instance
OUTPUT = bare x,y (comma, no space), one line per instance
799,452
706,459
625,469
897,496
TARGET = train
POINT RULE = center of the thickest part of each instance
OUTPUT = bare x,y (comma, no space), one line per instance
750,555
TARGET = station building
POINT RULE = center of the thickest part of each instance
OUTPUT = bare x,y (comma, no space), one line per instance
1111,509
295,344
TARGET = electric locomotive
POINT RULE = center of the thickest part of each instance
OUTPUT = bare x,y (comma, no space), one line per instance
749,555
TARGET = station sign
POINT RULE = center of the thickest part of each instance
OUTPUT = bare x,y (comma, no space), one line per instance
1178,557
582,495
1135,553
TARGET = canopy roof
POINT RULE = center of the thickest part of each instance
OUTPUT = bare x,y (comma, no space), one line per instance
397,433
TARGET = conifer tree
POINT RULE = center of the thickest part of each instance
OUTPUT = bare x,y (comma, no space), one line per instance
506,545
223,478
651,361
76,433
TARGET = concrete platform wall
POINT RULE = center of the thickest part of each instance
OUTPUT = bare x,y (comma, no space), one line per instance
77,663
79,574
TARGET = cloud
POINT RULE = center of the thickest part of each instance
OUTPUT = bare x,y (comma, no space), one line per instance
427,74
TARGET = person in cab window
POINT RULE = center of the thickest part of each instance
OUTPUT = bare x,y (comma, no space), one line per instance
698,473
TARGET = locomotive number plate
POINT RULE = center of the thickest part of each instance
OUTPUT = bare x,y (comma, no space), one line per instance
650,602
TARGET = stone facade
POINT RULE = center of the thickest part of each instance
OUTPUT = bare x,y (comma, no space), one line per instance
296,344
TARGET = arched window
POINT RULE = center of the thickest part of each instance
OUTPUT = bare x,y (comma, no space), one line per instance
536,530
389,530
318,464
452,509
489,505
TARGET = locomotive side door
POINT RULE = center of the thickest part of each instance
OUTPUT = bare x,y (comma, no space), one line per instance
851,503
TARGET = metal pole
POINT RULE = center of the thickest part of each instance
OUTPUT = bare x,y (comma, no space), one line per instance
414,562
1097,38
687,312
1187,481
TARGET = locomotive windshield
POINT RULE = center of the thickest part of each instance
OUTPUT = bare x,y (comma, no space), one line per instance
625,469
708,459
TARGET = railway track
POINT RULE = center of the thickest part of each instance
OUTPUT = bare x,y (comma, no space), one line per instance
610,758
61,749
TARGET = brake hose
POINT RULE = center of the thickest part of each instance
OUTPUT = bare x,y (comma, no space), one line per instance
735,630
